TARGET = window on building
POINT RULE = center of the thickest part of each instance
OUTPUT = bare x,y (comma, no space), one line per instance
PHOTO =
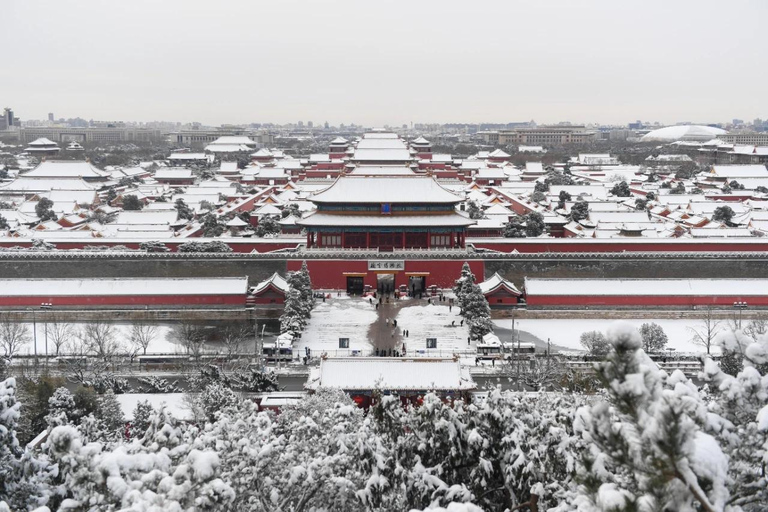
331,240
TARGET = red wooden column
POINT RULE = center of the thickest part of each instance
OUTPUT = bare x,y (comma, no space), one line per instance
403,239
429,238
367,239
309,239
319,238
451,244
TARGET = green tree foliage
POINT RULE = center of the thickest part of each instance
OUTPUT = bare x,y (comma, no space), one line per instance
474,210
621,189
132,203
44,210
212,227
268,225
579,211
534,224
723,214
183,211
562,198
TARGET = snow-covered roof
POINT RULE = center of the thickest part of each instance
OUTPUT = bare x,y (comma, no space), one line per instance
327,219
233,140
382,155
175,404
738,171
275,280
339,140
498,153
226,148
377,170
421,140
690,132
368,373
173,174
495,282
123,286
236,222
65,169
647,287
400,189
188,156
42,142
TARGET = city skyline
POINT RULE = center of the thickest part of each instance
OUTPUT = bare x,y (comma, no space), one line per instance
385,64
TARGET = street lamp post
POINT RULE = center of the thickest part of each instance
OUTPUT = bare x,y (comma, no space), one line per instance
46,306
741,306
34,335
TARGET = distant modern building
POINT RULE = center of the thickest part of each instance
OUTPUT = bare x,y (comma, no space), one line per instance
541,136
89,134
745,138
8,121
686,133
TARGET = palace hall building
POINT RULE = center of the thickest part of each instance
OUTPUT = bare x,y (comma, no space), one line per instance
390,210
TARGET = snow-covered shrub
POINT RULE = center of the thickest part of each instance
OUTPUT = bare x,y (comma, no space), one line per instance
647,447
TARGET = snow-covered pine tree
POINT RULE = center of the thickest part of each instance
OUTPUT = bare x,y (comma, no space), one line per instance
306,287
23,478
62,409
647,450
142,415
294,317
741,404
458,287
476,311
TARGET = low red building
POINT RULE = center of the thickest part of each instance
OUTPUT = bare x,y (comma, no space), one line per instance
499,292
270,291
611,293
124,292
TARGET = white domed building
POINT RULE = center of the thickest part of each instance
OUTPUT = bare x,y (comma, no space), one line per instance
687,133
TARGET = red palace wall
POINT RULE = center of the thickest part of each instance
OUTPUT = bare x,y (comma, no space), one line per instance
645,300
592,245
331,273
125,300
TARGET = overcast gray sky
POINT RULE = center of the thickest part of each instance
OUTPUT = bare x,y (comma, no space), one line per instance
377,62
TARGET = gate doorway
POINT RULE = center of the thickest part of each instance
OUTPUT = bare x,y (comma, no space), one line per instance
385,283
354,285
417,284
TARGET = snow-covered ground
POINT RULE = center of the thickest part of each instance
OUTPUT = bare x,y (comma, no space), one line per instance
339,317
566,333
433,321
161,344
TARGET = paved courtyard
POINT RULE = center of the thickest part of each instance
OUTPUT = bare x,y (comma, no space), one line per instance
370,328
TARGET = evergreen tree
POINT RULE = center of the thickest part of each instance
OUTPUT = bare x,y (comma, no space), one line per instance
474,211
142,415
579,211
534,224
563,197
647,446
476,311
515,227
268,225
294,317
621,189
131,202
183,212
212,227
458,290
44,210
